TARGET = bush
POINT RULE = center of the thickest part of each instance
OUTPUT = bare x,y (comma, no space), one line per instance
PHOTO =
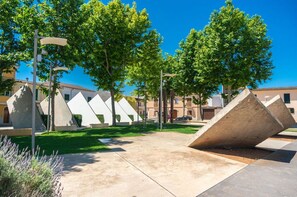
131,117
118,117
44,119
23,174
100,117
78,119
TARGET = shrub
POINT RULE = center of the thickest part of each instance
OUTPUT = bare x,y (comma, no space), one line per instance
131,117
78,119
44,118
100,117
23,174
118,117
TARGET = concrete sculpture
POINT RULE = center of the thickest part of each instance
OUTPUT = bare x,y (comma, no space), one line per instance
244,122
20,110
100,108
278,108
79,105
119,111
129,109
63,116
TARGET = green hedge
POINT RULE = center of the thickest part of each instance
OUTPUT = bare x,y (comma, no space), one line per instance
100,117
78,119
22,174
118,117
44,119
131,117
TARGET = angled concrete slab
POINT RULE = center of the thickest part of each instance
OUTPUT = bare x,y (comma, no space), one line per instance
79,105
63,115
244,122
20,110
278,108
119,110
100,108
129,109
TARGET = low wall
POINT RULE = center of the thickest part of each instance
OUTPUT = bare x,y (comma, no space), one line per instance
16,132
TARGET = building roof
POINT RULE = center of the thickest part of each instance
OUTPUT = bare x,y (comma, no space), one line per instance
62,85
277,88
104,95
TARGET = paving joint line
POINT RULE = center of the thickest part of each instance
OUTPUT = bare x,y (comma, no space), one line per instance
145,174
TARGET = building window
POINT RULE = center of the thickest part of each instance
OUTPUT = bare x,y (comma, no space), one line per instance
292,110
66,97
89,98
287,98
7,93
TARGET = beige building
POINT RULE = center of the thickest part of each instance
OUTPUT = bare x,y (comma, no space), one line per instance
288,94
190,109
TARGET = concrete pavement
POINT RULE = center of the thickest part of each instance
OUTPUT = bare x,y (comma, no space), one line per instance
158,164
273,176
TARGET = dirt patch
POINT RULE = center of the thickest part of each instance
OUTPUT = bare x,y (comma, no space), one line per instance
246,155
284,138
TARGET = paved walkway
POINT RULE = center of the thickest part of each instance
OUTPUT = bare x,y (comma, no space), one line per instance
276,175
158,164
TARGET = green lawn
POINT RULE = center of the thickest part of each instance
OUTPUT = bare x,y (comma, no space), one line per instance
87,140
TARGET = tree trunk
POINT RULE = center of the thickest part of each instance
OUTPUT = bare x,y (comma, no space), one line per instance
112,107
52,117
201,112
165,106
184,105
171,105
229,91
145,110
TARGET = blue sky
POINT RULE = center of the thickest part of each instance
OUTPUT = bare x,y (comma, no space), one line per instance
174,19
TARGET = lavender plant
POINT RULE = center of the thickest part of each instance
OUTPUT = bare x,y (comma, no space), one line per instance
24,174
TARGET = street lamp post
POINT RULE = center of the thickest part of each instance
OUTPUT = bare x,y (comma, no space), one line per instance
43,41
161,92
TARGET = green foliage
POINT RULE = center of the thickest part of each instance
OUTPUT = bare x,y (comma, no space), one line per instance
118,117
145,71
10,46
196,76
78,119
22,174
238,46
111,35
100,117
131,117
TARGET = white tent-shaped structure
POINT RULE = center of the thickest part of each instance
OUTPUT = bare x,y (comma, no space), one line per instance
63,116
20,110
129,109
100,108
119,111
79,105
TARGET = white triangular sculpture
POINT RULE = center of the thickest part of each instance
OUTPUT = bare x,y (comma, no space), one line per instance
119,111
63,115
100,108
20,110
129,109
79,105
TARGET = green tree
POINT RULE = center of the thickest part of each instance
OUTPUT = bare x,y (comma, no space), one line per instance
197,76
10,46
111,36
52,18
145,71
240,46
